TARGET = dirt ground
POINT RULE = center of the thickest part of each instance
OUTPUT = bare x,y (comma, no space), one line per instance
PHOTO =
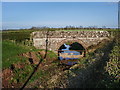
32,59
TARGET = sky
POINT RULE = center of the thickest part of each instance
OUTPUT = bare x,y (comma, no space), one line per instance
17,15
60,0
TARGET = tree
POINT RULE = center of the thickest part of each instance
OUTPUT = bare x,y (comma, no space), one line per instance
103,27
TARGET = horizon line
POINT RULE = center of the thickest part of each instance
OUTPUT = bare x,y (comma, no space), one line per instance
59,27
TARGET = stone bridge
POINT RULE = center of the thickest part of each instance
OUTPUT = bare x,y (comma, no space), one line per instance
56,39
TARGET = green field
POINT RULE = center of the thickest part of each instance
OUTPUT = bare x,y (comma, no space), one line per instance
91,30
10,56
10,51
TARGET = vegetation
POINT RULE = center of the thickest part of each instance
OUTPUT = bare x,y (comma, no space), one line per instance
112,72
72,28
20,75
0,54
17,42
106,74
18,37
113,64
12,56
10,52
111,76
22,36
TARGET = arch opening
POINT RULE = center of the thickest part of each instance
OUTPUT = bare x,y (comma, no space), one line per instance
70,53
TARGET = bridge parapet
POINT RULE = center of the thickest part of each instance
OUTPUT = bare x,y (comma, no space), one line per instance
71,34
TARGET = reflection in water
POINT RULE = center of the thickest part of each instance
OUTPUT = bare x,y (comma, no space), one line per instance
66,52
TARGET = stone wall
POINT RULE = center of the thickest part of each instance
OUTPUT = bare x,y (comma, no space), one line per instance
71,34
58,38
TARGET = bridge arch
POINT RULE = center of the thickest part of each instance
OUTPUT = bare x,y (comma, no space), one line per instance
71,41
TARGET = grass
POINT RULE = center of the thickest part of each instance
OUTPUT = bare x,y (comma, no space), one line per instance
0,54
18,36
21,75
10,56
52,54
85,61
10,52
91,30
111,76
39,74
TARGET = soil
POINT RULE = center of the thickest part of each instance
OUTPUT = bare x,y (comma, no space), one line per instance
32,59
53,71
7,74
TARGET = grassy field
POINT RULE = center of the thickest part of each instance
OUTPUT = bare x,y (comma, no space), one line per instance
11,56
16,35
92,30
10,51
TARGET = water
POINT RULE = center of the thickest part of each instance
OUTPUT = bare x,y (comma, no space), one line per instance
67,60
